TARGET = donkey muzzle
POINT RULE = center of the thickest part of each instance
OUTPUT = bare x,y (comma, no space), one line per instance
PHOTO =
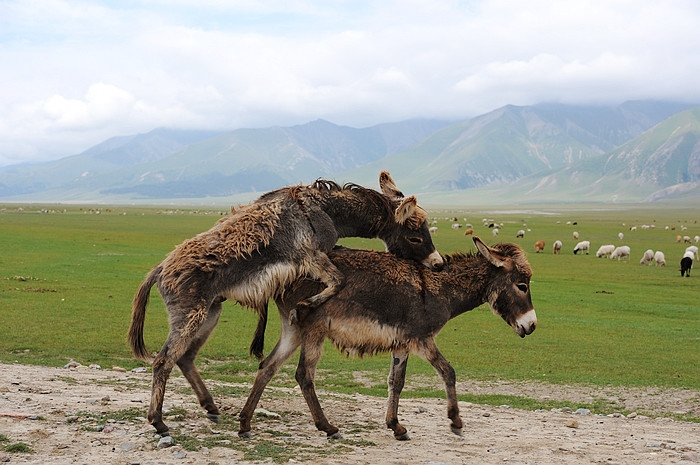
526,323
434,261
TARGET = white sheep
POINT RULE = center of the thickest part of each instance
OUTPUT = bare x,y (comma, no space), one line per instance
576,235
620,252
456,226
521,233
495,232
693,249
432,229
659,258
582,246
605,250
556,247
647,258
696,239
620,236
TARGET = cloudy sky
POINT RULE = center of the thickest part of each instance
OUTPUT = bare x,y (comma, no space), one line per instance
74,73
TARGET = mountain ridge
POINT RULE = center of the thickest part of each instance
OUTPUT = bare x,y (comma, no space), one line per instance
637,151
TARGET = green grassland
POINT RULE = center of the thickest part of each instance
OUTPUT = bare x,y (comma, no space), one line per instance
67,279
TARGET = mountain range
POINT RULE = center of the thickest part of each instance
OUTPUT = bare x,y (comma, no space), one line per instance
636,151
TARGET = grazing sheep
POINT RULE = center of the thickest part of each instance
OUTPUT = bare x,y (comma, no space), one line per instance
495,232
605,250
521,233
456,226
679,238
693,250
696,239
620,252
556,248
659,258
620,236
432,229
686,265
647,258
539,246
582,246
686,239
576,235
469,232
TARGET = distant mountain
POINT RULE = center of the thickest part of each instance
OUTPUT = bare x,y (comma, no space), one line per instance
102,160
545,153
660,164
513,142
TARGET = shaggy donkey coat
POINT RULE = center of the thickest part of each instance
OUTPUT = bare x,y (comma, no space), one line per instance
393,305
254,254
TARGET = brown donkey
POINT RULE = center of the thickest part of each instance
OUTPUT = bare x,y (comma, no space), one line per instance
251,256
393,305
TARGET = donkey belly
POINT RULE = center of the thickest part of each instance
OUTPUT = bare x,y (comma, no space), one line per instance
359,336
258,287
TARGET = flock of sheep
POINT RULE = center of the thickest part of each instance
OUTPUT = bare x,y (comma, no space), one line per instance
607,250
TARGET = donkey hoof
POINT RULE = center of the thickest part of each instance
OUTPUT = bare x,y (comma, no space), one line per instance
335,435
403,437
457,431
213,417
245,434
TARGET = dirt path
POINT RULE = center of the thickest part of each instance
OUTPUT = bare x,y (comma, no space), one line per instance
88,416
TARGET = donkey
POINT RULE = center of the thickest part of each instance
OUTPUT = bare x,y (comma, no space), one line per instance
392,305
251,256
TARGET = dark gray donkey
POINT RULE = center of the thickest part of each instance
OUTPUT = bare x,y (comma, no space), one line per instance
251,256
392,305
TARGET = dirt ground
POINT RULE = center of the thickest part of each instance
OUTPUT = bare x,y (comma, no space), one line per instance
88,416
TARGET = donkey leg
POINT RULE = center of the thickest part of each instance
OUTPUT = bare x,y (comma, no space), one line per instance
306,371
322,268
396,380
443,367
183,328
186,362
285,347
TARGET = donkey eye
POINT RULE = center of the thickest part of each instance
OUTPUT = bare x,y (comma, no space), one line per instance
415,240
522,287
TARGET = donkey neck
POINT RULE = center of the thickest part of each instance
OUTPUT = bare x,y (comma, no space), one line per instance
469,277
356,215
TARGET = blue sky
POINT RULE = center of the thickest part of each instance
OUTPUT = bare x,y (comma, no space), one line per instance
74,73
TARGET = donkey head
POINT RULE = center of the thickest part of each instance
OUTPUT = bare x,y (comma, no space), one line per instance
509,294
408,235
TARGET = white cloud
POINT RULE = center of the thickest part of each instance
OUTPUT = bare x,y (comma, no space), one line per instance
76,72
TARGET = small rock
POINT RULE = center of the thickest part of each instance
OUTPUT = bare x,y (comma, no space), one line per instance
632,415
140,370
572,424
179,454
96,443
165,441
94,366
4,457
266,413
119,369
582,411
127,447
566,410
72,364
105,399
486,414
690,456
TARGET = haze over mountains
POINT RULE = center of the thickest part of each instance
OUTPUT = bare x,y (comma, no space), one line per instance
633,152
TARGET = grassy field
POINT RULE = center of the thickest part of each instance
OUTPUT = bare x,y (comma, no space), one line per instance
68,276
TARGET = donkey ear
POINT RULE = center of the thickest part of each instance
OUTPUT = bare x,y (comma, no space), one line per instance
406,210
489,253
388,186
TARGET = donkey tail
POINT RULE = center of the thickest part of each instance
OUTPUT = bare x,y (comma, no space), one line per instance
258,344
138,315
